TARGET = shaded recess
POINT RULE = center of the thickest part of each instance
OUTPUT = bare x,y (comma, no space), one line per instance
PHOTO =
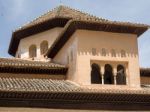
108,75
95,74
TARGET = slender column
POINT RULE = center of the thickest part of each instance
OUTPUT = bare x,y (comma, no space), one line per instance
102,73
115,74
127,78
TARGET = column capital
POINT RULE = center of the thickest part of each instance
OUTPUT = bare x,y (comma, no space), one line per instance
114,71
102,70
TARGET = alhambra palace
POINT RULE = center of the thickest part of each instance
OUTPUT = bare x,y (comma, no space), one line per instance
70,61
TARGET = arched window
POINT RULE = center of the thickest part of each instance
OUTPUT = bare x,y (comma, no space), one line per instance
121,77
95,74
44,47
32,51
113,53
108,75
103,52
123,53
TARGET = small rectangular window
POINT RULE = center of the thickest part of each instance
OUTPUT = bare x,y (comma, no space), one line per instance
68,59
93,51
113,53
103,52
123,53
71,55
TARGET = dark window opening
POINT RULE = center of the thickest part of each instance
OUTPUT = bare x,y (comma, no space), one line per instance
108,75
121,77
95,74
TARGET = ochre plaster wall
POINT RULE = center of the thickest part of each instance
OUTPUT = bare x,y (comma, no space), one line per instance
49,35
118,41
64,57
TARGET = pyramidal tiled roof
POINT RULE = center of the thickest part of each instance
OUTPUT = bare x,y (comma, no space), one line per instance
62,11
67,12
62,15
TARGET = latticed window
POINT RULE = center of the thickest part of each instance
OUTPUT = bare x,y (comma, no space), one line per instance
123,53
113,53
93,51
43,47
103,52
32,51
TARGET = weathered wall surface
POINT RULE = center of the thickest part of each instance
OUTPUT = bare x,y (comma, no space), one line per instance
67,56
49,35
117,41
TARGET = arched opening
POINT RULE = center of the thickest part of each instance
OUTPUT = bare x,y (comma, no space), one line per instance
121,77
95,74
44,47
108,75
32,51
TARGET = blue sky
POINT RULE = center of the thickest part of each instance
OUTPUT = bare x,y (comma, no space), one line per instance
15,13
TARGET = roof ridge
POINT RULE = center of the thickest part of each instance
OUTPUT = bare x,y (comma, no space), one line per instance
58,10
85,13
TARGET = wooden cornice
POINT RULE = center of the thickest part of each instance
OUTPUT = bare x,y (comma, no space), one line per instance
106,26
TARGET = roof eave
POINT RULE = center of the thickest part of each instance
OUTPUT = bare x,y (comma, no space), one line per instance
40,27
73,25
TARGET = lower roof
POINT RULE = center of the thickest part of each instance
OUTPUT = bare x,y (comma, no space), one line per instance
62,93
15,65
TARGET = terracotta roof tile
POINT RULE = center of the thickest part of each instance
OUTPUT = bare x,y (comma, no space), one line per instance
15,62
36,85
67,12
59,17
48,85
62,11
62,92
14,65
